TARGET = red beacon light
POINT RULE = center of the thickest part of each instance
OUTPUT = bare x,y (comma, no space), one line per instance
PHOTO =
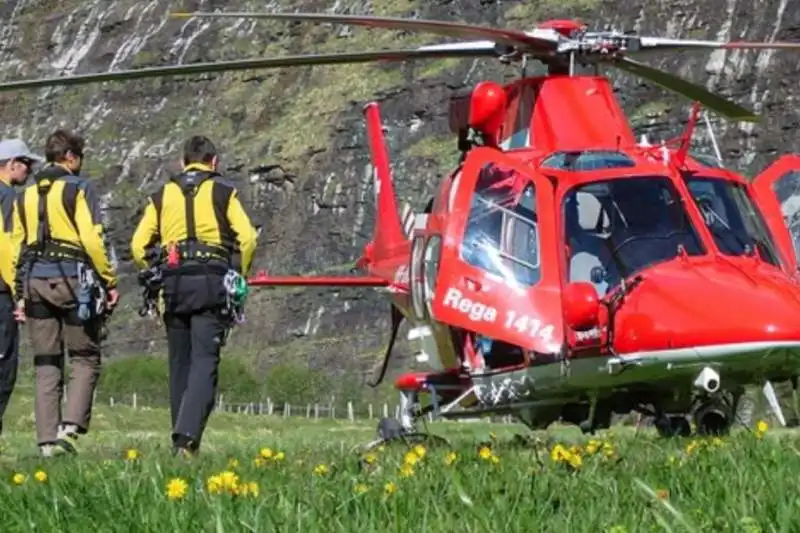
567,28
487,108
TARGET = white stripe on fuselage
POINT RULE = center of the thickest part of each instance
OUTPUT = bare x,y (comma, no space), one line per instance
696,353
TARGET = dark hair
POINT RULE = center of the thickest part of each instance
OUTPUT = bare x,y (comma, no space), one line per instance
60,142
199,149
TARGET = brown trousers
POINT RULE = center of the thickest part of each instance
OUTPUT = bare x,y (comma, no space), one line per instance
53,325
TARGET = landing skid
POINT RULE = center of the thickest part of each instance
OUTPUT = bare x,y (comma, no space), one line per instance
713,409
391,431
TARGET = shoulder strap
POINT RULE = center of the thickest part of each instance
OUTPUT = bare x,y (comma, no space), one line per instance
189,189
43,185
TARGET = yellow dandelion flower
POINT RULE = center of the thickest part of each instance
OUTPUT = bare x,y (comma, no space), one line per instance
558,453
411,458
406,470
40,476
575,460
593,447
320,470
419,450
762,426
280,456
229,479
259,461
266,453
574,450
233,463
485,453
608,454
214,484
249,489
131,454
718,442
360,488
370,458
381,448
18,479
176,488
390,488
692,446
450,458
494,459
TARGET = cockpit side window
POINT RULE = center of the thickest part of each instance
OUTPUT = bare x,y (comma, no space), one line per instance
502,233
731,217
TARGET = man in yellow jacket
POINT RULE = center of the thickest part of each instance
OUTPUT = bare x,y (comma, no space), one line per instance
195,231
69,285
16,163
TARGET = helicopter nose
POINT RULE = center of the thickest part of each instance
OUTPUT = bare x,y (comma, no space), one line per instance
715,302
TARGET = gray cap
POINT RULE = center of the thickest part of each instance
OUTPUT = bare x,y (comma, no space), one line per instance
17,149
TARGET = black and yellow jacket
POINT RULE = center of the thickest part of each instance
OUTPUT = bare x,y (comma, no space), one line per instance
216,214
74,222
11,236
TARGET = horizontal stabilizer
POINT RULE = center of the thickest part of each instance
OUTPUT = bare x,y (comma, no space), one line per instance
262,279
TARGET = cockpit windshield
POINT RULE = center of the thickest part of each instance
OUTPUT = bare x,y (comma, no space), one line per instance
618,227
502,233
731,217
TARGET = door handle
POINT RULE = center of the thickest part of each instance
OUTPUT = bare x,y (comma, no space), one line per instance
471,284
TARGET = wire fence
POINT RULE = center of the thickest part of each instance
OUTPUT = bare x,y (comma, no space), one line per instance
349,410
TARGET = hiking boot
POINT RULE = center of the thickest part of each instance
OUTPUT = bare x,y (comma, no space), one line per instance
67,438
51,450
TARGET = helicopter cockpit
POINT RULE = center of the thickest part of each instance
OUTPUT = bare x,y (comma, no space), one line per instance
617,227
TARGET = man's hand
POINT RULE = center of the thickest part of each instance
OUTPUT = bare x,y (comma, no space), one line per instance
19,311
113,298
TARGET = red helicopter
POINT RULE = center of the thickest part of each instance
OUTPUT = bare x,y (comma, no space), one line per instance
564,271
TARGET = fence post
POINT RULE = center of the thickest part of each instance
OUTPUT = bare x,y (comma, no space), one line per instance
350,414
386,410
111,402
270,407
370,411
316,410
286,410
134,400
308,410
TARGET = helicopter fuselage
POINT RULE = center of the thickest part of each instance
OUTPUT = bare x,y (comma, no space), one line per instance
686,267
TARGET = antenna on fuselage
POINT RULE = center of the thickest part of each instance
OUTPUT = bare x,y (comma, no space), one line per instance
713,138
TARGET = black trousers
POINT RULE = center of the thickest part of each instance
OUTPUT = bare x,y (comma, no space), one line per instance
9,352
194,341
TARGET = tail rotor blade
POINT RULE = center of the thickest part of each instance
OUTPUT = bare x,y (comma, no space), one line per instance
541,40
460,50
690,90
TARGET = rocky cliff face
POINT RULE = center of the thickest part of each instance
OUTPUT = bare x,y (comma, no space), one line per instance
293,139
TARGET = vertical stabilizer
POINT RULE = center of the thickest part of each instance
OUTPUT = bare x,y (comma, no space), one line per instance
388,233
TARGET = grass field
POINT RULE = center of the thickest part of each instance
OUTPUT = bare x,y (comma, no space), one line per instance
268,474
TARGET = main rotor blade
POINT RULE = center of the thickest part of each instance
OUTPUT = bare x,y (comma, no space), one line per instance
475,49
690,90
660,43
542,40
